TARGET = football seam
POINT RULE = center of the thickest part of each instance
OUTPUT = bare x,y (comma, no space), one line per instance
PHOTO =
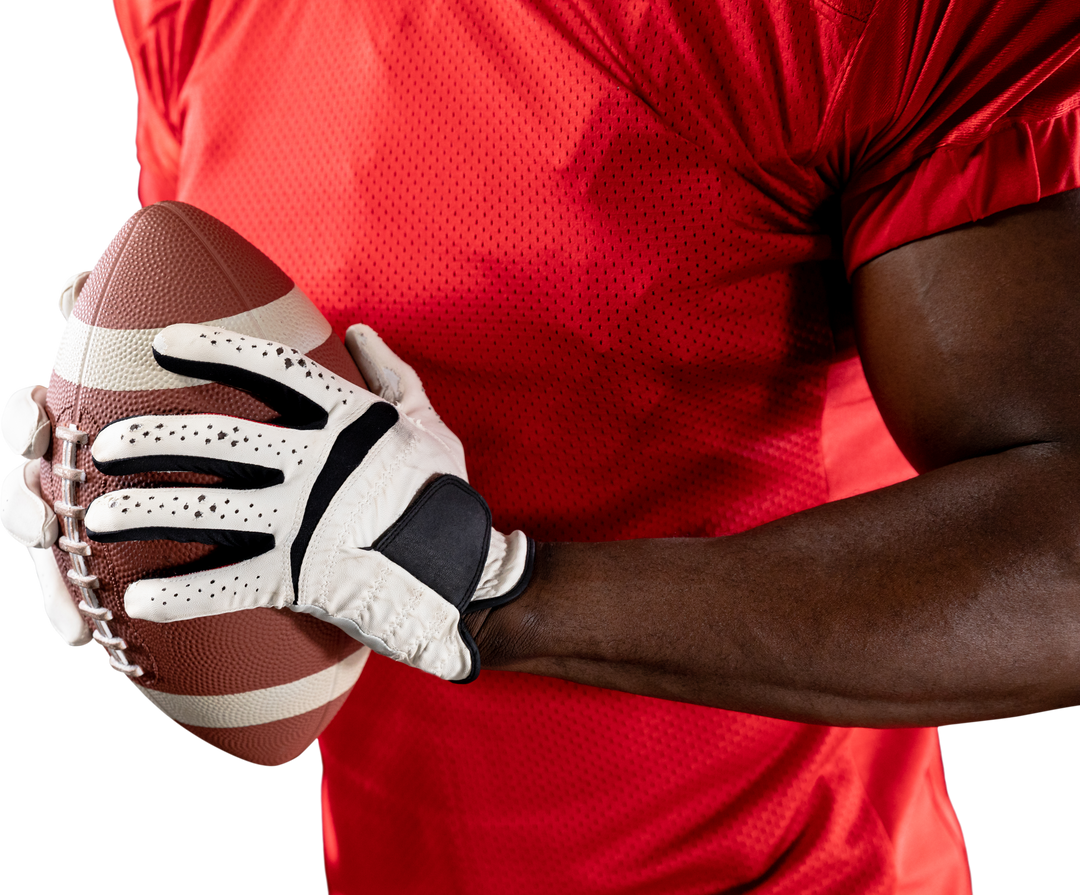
80,575
135,218
214,274
178,213
74,544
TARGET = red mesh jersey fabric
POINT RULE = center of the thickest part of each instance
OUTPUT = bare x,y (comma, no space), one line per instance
602,232
985,117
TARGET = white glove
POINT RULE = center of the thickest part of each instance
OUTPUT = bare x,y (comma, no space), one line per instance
23,511
351,508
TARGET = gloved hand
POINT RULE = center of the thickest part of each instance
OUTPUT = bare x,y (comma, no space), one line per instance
23,512
354,507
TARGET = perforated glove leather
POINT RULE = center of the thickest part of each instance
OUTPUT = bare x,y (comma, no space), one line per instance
354,507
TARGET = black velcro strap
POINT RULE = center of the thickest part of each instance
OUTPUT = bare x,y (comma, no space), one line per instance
442,539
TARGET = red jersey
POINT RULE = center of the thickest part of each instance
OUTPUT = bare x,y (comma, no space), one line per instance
609,236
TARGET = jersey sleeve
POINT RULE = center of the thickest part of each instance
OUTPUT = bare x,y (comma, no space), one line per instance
955,110
161,37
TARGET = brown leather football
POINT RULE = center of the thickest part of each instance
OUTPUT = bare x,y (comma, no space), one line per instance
260,683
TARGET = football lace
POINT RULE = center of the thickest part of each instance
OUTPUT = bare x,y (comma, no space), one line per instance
71,542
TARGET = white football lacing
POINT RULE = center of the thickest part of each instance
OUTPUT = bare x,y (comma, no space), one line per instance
74,546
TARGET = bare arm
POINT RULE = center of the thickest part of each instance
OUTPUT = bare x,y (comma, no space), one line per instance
952,597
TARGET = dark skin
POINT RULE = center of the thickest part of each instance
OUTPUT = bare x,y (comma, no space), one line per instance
951,597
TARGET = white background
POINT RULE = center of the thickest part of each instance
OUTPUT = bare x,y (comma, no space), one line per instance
108,796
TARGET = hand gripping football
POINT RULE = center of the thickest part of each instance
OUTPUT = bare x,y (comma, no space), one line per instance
259,683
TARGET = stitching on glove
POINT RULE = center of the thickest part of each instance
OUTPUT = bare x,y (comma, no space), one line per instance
455,450
408,611
378,487
351,448
414,649
360,614
403,614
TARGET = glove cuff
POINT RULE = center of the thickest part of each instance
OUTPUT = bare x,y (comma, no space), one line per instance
509,560
522,549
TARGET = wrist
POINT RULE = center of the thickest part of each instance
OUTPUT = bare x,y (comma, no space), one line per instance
508,635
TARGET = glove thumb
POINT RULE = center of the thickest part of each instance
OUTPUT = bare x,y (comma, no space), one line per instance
70,293
23,512
393,380
59,607
26,424
33,524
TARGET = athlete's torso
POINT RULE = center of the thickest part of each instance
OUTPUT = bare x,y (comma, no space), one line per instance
601,236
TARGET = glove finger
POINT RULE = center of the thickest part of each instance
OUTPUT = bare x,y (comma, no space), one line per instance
236,450
242,520
395,381
70,293
301,390
25,422
249,584
385,373
23,513
59,606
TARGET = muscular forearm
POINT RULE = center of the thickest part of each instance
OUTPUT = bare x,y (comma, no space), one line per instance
951,597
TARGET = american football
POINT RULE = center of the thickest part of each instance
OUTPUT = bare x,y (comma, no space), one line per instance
260,683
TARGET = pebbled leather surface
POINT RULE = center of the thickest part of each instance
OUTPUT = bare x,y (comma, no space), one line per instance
171,263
